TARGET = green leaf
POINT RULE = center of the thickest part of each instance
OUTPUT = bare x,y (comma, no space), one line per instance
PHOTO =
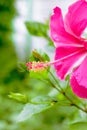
39,75
18,97
45,57
39,56
37,105
22,67
37,29
78,126
50,43
46,99
31,109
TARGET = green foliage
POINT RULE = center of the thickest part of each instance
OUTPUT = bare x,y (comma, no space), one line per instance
18,97
40,56
39,29
11,80
39,75
37,105
78,126
22,67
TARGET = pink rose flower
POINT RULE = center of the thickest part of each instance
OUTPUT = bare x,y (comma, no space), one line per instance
68,35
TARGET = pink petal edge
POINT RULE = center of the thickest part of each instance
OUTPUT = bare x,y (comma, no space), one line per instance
76,19
57,30
78,80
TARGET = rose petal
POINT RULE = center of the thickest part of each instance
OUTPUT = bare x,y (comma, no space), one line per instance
65,66
76,18
79,80
58,33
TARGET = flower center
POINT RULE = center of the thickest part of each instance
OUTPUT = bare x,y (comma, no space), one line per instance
36,66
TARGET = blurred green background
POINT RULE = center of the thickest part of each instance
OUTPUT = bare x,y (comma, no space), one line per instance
12,80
